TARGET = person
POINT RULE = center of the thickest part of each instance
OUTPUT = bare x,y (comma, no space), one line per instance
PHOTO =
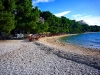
37,37
30,38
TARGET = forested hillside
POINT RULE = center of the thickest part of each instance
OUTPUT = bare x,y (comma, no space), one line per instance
19,16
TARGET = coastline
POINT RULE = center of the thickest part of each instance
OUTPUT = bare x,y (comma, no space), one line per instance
55,42
87,56
47,56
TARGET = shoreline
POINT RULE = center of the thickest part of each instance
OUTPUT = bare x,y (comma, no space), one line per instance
87,56
55,42
45,57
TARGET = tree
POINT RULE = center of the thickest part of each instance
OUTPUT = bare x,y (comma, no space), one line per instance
85,28
50,19
24,15
64,25
95,28
75,27
36,14
40,28
7,22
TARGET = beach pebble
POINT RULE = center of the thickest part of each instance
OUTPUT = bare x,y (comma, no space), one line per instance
31,58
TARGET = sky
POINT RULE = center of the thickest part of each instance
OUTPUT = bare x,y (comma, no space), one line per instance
87,10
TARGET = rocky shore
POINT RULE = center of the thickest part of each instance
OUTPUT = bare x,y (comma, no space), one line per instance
47,56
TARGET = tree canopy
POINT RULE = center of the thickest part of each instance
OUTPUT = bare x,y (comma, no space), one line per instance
20,16
7,22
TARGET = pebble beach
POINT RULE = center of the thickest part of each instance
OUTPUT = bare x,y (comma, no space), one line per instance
47,56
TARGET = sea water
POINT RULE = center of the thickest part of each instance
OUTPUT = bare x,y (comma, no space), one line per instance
88,40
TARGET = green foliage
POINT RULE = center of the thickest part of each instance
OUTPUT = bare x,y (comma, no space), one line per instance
7,22
40,28
24,17
85,28
27,19
95,28
64,25
36,14
1,5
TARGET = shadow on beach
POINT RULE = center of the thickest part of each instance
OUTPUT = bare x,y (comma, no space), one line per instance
81,59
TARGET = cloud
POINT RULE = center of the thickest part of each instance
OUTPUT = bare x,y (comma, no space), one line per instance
89,19
62,13
38,1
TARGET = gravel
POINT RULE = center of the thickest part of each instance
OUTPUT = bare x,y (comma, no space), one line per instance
34,58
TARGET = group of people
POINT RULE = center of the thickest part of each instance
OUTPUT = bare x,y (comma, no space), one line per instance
35,37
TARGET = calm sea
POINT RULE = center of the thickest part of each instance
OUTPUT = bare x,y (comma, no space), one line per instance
88,40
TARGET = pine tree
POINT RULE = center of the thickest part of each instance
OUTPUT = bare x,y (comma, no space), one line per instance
36,14
7,22
24,15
